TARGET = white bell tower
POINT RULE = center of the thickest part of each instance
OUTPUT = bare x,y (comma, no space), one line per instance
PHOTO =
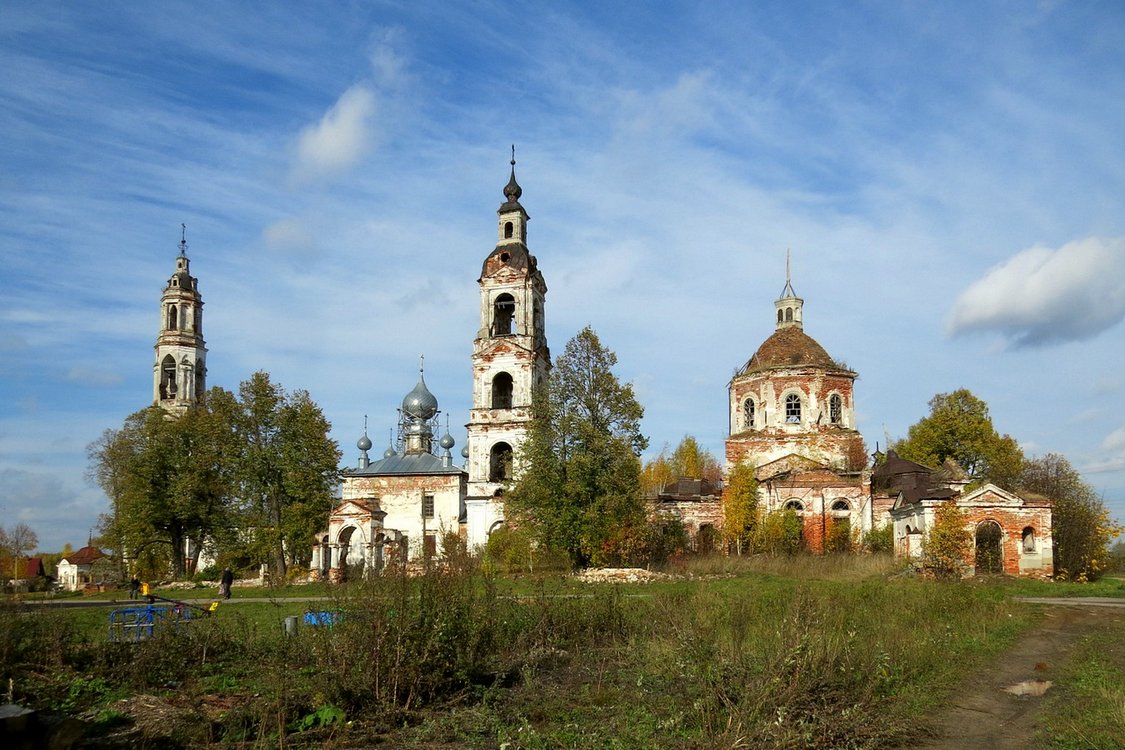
179,375
510,357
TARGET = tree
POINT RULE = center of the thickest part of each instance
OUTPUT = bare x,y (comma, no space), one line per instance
167,479
960,428
1081,526
17,540
740,507
286,472
579,485
688,461
948,542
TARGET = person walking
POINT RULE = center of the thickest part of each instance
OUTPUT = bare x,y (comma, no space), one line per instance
134,587
225,583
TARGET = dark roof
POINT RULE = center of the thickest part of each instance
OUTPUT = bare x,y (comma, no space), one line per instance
688,488
84,556
914,481
400,465
24,567
790,347
894,465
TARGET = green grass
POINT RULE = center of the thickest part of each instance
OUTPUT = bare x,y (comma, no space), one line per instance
760,652
1087,710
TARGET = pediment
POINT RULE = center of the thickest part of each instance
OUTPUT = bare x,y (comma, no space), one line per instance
351,509
991,495
791,464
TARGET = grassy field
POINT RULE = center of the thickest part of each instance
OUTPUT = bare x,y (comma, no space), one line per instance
806,652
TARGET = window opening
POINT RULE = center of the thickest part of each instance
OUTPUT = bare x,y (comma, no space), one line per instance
780,316
429,545
503,314
502,391
793,408
841,505
789,315
168,378
748,413
989,555
796,505
500,463
508,229
427,506
172,318
1029,539
835,409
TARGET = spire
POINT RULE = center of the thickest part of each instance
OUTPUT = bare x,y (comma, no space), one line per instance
789,306
183,240
513,191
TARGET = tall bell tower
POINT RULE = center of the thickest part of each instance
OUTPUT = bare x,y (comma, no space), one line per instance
179,375
510,358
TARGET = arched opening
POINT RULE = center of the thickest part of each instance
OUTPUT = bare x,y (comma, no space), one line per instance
1029,539
500,463
989,553
509,230
793,409
789,315
502,391
173,318
780,316
496,526
835,409
841,505
707,539
748,413
350,563
795,505
199,380
168,377
503,314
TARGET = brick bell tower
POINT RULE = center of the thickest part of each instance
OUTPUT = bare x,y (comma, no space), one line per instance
510,358
179,375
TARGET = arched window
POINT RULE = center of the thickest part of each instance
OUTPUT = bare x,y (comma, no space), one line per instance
748,413
780,315
841,505
173,318
503,314
168,377
500,463
835,409
502,391
793,409
1029,539
508,230
789,315
796,505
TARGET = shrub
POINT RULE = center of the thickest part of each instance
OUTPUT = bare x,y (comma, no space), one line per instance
779,533
880,541
947,543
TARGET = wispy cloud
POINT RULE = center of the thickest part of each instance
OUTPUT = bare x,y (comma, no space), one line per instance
1046,296
339,140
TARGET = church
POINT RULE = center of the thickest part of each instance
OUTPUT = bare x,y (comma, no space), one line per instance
791,416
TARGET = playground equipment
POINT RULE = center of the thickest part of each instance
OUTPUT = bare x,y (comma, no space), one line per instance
131,624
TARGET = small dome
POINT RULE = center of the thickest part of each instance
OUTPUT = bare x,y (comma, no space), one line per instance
790,347
420,403
513,191
390,451
465,452
447,441
364,443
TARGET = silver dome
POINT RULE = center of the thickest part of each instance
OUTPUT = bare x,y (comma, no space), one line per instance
420,403
447,441
364,443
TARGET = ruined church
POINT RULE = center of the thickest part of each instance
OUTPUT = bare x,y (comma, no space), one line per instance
791,417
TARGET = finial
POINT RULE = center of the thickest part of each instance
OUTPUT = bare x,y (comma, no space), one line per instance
513,191
421,364
364,424
183,239
788,290
788,277
513,156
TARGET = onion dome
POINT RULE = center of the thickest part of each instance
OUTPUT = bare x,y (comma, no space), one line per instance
420,403
465,452
390,451
364,443
446,441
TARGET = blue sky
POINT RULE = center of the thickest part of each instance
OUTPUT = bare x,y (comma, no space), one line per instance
948,176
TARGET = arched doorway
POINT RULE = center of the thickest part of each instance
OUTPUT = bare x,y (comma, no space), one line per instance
990,555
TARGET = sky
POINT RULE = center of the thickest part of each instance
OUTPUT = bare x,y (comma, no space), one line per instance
948,178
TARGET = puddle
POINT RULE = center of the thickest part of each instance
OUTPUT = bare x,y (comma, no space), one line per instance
1029,687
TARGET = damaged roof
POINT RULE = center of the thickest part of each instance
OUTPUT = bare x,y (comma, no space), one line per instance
791,347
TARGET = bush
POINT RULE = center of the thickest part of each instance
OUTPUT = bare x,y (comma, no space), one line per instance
779,533
880,541
948,542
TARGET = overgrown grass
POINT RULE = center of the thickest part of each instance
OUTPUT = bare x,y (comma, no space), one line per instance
1087,712
798,653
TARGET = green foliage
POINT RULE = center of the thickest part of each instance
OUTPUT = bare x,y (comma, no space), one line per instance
323,716
779,533
881,540
1087,710
580,475
838,535
688,461
740,507
1082,527
959,427
947,543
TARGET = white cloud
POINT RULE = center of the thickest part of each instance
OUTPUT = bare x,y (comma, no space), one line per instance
94,376
290,236
340,139
1115,440
1042,296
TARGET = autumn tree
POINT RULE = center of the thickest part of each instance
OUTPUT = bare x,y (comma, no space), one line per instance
17,540
740,507
579,486
286,472
1081,526
167,478
960,428
947,542
687,461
